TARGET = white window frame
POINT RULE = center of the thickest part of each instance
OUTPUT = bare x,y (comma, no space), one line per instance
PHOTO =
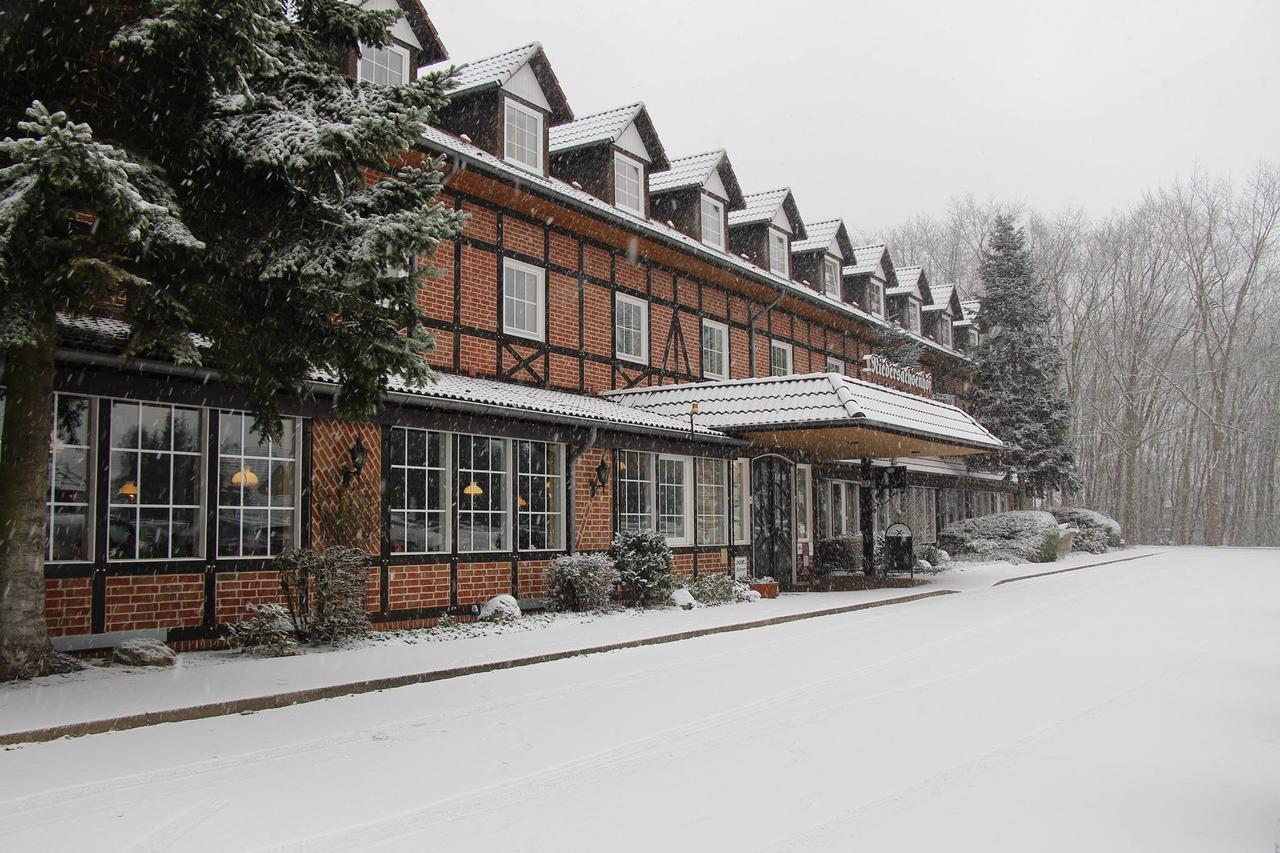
651,477
244,459
911,315
875,298
716,237
775,347
944,329
835,365
540,275
622,162
539,132
526,482
740,474
462,503
831,277
57,447
722,330
390,47
779,253
803,502
701,464
686,496
402,467
641,357
626,474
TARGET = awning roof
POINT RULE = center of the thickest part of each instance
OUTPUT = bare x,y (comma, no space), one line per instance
828,415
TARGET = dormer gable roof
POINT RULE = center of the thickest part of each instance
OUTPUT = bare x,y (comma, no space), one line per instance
700,170
613,127
502,69
826,236
870,259
770,207
970,307
912,281
415,14
945,299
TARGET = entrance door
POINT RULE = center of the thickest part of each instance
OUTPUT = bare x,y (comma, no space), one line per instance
773,542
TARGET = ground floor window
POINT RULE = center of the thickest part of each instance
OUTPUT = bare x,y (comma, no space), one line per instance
950,507
70,530
156,472
257,487
418,491
741,501
673,498
804,522
656,491
712,499
635,491
838,508
482,489
540,495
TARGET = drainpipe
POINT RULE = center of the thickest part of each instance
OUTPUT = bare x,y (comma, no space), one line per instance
751,330
571,492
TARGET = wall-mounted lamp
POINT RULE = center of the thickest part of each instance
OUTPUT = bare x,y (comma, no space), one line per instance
359,455
602,476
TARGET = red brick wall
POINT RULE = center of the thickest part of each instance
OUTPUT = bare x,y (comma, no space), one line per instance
594,520
533,578
479,582
418,586
332,441
235,591
154,601
67,605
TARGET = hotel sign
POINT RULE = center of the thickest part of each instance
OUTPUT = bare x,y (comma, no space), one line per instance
886,368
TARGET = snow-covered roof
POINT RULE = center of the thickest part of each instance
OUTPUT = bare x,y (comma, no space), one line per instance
442,141
496,70
866,259
912,281
764,206
820,235
415,14
970,307
696,170
108,334
811,400
608,127
934,465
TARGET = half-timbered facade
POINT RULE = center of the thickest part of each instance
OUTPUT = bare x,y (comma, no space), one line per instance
624,340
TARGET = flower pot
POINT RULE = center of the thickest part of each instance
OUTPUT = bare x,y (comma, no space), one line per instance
767,589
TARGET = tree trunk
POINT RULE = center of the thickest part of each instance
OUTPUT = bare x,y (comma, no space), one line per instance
24,463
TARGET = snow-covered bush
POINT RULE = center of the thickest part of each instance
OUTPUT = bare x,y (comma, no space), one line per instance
718,589
1018,537
267,627
933,558
838,554
581,582
1095,532
645,566
324,592
500,608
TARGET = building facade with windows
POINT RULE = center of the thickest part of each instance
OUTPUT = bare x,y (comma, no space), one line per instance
624,341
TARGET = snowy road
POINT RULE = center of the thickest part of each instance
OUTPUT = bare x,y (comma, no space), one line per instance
1132,707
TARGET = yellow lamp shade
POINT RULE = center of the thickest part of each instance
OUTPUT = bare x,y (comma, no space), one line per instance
128,490
473,490
244,477
521,502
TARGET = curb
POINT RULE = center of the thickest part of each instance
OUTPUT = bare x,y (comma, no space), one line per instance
1077,568
332,691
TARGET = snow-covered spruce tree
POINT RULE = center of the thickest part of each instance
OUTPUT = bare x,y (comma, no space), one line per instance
1018,368
211,178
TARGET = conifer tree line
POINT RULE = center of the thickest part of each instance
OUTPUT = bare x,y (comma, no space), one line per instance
1167,318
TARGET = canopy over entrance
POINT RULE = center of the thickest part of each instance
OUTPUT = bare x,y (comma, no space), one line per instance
826,415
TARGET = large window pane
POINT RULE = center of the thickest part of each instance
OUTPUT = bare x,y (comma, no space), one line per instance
635,490
712,500
155,490
417,496
70,480
257,488
672,496
482,494
540,495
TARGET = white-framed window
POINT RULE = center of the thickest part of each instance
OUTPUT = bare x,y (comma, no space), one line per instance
779,254
523,137
156,477
779,358
804,517
838,502
835,365
924,513
740,484
70,505
418,491
831,277
713,493
628,183
258,489
631,328
715,350
944,328
911,315
875,297
540,495
712,222
635,490
524,292
481,493
673,488
383,66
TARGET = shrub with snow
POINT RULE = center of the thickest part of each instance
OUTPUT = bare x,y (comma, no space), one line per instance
324,592
719,589
1096,532
581,582
1018,537
266,628
500,608
838,554
931,558
645,566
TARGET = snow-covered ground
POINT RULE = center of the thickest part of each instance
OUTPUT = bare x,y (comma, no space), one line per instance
1129,707
103,692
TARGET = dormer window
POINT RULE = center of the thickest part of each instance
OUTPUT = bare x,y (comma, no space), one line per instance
628,184
831,277
911,316
712,222
779,262
944,329
523,137
875,298
383,66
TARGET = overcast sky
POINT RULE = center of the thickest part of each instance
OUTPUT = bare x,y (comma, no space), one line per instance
876,111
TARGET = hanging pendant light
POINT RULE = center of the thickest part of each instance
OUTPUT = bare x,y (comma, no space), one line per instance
473,490
244,477
129,490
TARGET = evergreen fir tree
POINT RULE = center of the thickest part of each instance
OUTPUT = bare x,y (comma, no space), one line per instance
1018,367
208,166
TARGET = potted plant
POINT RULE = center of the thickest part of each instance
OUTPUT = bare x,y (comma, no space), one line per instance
766,586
